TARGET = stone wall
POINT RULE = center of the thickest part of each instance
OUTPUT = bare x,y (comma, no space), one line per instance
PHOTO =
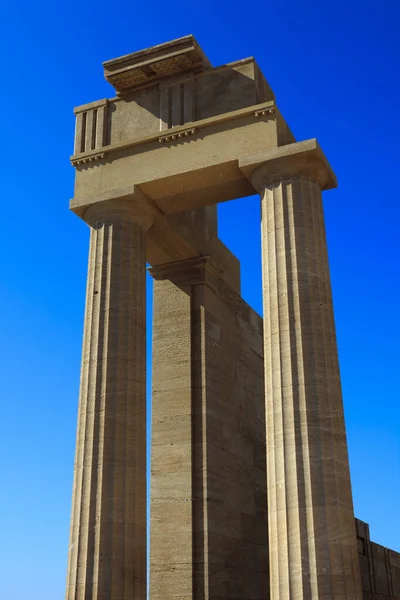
379,566
235,481
208,489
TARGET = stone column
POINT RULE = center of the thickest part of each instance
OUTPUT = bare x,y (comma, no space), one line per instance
107,555
312,541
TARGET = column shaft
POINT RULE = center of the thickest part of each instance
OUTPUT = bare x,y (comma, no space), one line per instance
107,557
312,542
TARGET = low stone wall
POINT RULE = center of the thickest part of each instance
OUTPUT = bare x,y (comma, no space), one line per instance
379,566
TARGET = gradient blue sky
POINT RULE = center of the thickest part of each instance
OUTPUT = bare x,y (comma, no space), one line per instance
334,67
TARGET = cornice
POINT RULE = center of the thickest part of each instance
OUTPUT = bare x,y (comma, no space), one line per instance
263,111
90,106
151,65
88,159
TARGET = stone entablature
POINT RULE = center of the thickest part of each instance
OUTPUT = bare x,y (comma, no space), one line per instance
176,101
192,124
92,134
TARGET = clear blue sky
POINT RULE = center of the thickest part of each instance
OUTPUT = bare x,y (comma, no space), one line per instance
334,67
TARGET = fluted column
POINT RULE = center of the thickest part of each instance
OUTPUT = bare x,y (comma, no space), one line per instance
312,542
107,555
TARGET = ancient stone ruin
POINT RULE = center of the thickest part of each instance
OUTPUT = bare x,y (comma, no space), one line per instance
250,484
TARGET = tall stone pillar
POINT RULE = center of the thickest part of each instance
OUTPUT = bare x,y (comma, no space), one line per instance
312,541
208,487
107,555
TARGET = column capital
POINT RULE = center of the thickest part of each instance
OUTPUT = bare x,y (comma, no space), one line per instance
301,159
127,204
193,271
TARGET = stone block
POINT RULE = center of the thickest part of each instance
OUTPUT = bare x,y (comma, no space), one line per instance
394,559
380,569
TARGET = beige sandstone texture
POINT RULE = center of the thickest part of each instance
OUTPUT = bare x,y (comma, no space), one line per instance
208,489
241,410
107,557
312,541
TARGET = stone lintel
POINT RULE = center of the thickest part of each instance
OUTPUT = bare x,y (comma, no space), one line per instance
301,158
148,66
130,194
170,238
193,271
180,172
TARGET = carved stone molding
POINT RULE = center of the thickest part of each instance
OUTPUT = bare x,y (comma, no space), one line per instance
152,64
173,137
264,113
172,134
84,161
276,178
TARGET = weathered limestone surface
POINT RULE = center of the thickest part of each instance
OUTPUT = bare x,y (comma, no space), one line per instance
177,128
379,566
151,164
107,557
312,543
208,487
171,523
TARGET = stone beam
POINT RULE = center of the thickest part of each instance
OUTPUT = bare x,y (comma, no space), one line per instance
173,238
146,67
191,167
